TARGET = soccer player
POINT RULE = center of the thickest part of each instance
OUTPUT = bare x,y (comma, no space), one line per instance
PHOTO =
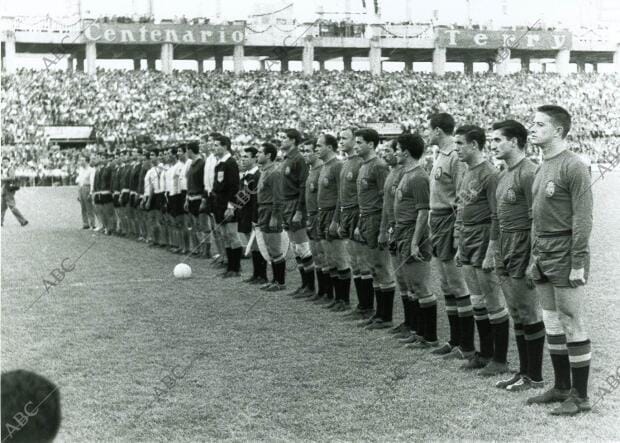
125,182
411,235
336,271
478,234
294,174
347,221
116,166
195,191
83,181
225,189
514,214
308,151
446,176
370,185
134,188
561,227
269,200
248,213
207,203
8,192
151,198
386,232
176,198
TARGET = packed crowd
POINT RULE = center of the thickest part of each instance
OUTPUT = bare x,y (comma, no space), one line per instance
126,105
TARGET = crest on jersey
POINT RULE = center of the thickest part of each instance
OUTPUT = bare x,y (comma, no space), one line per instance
511,197
220,176
438,173
364,183
399,194
550,188
287,171
349,175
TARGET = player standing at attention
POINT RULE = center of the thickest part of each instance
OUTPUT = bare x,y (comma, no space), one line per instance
561,227
269,199
8,192
446,177
386,232
176,199
411,235
514,214
225,189
308,151
195,190
477,248
294,174
370,185
347,221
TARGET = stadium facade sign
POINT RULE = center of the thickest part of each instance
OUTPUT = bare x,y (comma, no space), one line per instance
149,33
520,39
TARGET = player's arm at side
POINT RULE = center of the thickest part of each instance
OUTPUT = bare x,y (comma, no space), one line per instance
302,169
421,188
333,228
276,188
488,264
581,201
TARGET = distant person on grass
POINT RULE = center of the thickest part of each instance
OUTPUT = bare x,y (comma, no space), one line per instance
8,192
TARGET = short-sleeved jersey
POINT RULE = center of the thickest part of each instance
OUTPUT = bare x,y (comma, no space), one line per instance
312,188
195,180
294,175
348,181
370,184
446,176
412,195
477,197
514,197
562,201
329,181
389,193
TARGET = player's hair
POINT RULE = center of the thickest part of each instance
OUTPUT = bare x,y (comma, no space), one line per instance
224,141
369,135
512,129
5,158
293,134
193,146
28,393
393,144
443,121
330,141
86,158
353,129
252,151
559,115
270,150
214,134
412,143
473,133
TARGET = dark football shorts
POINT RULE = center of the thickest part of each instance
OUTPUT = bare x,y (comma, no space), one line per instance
312,226
175,205
134,200
513,253
264,215
289,207
124,198
163,203
349,218
219,215
116,199
473,243
194,206
325,219
105,199
369,226
208,209
156,202
402,239
442,234
553,260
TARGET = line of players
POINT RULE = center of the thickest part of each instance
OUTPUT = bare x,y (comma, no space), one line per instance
510,244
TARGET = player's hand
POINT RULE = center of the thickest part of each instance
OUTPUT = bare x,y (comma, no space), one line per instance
382,241
356,234
455,243
273,223
186,206
229,213
488,264
203,204
297,217
341,232
577,277
415,252
333,229
457,257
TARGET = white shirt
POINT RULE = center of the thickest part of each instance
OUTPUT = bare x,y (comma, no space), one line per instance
169,175
161,174
183,177
209,174
84,176
177,176
151,182
92,178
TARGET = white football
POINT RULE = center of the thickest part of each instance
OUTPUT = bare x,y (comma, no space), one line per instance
182,270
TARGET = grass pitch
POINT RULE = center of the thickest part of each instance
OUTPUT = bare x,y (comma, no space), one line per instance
140,356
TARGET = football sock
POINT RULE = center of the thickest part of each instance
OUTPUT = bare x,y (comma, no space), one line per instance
484,332
428,309
388,304
559,360
535,342
579,355
465,312
500,327
453,319
521,348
